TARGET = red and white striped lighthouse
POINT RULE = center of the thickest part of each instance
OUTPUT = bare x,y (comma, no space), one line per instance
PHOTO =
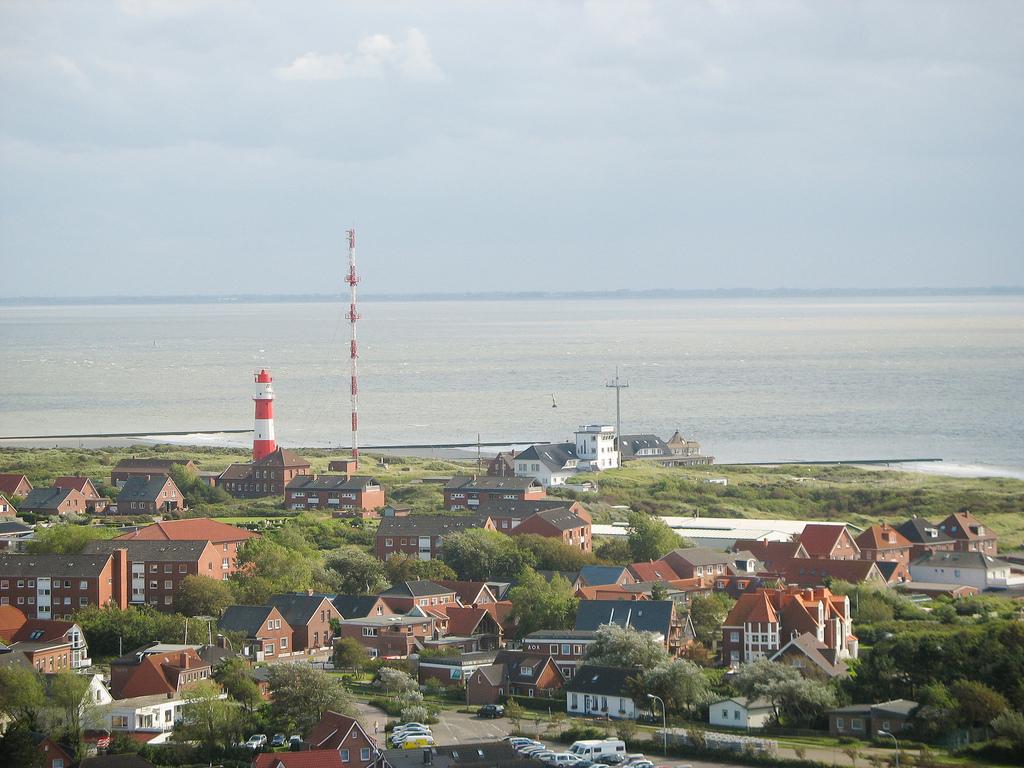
263,430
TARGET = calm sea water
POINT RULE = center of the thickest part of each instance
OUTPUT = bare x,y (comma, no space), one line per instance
753,380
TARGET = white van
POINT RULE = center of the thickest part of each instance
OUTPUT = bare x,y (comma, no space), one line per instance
595,749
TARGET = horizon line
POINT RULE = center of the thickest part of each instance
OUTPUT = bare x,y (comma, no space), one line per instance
632,293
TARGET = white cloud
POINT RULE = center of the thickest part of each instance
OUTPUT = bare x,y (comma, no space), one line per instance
375,56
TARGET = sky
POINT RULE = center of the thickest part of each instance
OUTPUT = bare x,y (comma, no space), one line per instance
168,147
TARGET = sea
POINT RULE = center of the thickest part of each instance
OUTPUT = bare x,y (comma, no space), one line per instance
753,380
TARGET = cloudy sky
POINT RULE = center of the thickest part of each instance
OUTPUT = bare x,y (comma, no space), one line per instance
177,146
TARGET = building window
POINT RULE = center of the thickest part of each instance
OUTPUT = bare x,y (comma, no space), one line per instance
284,643
344,755
167,583
364,754
168,599
182,568
83,601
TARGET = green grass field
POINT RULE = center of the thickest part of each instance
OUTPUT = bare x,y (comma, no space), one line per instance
856,495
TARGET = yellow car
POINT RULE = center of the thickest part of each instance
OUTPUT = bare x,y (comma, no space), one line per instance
419,742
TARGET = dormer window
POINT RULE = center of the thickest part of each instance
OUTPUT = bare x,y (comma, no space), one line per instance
526,671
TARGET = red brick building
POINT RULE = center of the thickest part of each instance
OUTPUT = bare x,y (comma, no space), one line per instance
150,671
771,553
829,540
268,476
356,496
563,524
149,495
54,501
393,637
12,485
698,562
94,502
268,635
515,673
508,514
568,647
159,567
968,534
884,544
925,538
310,617
227,539
126,468
462,492
16,627
346,736
56,586
405,596
421,536
762,622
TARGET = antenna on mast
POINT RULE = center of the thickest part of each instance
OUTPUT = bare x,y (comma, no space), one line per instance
352,316
618,386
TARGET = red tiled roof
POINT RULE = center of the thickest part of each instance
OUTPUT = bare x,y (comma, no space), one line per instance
9,483
77,482
819,539
315,758
198,529
768,551
466,591
502,613
463,622
11,620
882,536
52,629
655,570
812,571
332,729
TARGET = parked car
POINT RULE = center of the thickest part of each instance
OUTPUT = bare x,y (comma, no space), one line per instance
278,740
402,726
630,759
294,742
532,749
402,738
491,710
517,741
614,758
257,741
418,742
563,760
641,764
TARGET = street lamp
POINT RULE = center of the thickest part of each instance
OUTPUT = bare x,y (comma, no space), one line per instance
896,742
664,722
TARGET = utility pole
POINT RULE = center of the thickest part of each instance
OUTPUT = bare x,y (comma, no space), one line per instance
618,386
352,316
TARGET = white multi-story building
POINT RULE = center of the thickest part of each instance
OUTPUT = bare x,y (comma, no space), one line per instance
554,464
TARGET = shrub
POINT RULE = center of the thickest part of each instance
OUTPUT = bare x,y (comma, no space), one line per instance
414,714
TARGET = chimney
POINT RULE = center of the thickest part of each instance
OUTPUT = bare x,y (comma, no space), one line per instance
183,660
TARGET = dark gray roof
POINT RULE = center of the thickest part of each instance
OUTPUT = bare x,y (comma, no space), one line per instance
151,463
569,576
355,606
297,608
641,615
561,634
331,483
244,618
115,761
554,456
13,526
429,525
887,567
142,550
416,589
602,680
52,565
498,754
45,498
562,519
520,509
630,445
919,531
702,556
601,575
824,657
487,483
973,560
142,488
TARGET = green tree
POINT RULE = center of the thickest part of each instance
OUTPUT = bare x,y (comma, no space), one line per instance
798,701
434,570
481,555
551,554
976,703
266,568
871,609
349,653
614,551
616,646
18,747
680,683
358,571
708,612
650,538
1010,726
196,492
111,631
203,596
659,591
395,682
236,679
213,722
540,604
72,711
22,695
300,695
67,539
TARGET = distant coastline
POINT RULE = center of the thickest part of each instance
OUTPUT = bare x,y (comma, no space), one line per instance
656,293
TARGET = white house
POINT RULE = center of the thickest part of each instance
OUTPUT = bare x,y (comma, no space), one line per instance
152,718
740,712
972,569
601,691
554,464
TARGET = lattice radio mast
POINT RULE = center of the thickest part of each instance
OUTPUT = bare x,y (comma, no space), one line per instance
353,316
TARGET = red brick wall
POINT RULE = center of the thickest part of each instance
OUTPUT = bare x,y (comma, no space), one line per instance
51,660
